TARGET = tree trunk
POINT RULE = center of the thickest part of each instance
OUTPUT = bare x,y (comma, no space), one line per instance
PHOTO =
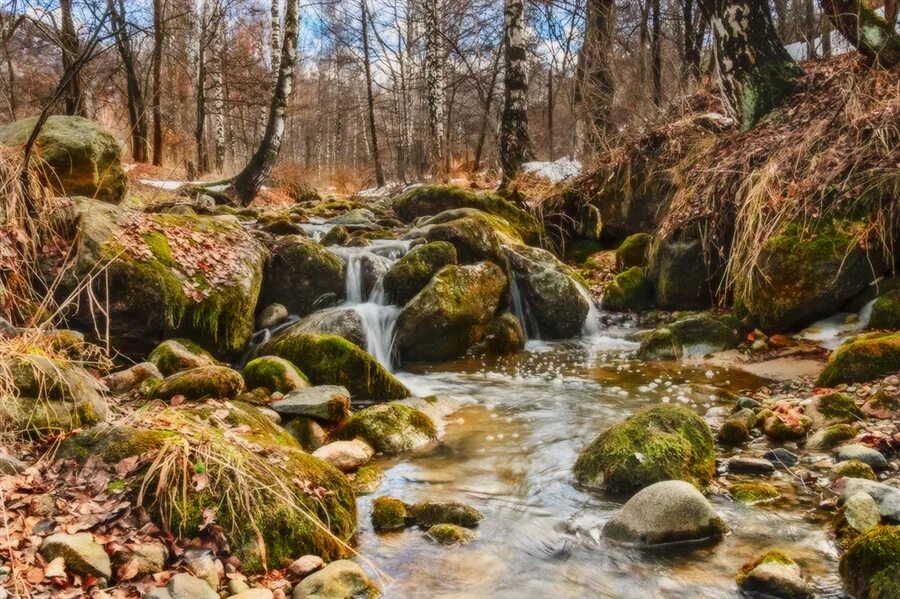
595,87
550,153
249,180
486,112
434,83
200,112
217,88
756,74
156,101
74,98
872,35
137,118
810,28
370,96
514,144
656,52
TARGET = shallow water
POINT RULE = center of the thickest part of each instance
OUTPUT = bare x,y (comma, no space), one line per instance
509,452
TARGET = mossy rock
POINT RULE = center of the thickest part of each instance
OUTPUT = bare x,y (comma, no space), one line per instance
339,235
429,513
663,443
870,565
774,574
161,279
82,158
390,428
303,276
274,374
504,232
861,359
175,355
51,396
679,268
804,275
886,312
343,321
367,479
837,408
552,296
736,428
412,272
853,469
633,251
753,493
429,200
504,335
474,239
389,514
308,433
629,291
579,251
781,426
216,382
331,360
451,314
693,335
450,534
245,458
830,436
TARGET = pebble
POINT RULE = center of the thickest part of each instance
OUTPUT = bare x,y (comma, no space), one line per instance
742,465
864,454
781,456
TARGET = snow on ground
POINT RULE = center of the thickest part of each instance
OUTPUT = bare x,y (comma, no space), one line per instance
555,172
839,45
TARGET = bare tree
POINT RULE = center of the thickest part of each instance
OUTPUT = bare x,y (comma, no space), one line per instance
370,96
156,100
137,118
871,34
595,86
514,142
74,99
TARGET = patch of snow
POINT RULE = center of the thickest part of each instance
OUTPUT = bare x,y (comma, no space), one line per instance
162,184
554,172
839,45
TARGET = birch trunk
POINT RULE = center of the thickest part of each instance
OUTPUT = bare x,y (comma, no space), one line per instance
434,83
514,143
756,74
248,182
872,35
370,96
217,89
156,101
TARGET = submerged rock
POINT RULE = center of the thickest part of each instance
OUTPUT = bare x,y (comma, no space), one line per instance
303,275
774,574
862,358
450,534
782,456
753,493
274,374
390,428
367,480
671,511
830,436
412,272
430,513
743,465
736,428
342,579
662,443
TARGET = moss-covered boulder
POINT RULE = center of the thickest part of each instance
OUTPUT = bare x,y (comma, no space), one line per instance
48,396
690,336
629,291
303,276
683,276
274,374
165,276
774,574
474,239
662,443
450,534
802,276
853,469
870,567
175,355
633,251
429,513
451,314
429,200
332,360
506,233
242,470
550,293
342,321
861,359
389,514
215,382
411,273
390,428
886,312
82,158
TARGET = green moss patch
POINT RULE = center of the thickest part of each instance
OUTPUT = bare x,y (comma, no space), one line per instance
389,514
411,273
870,561
753,493
274,374
390,428
861,359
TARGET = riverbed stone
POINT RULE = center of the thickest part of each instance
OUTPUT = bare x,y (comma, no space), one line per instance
745,465
853,469
367,480
451,314
326,403
82,554
308,433
346,456
175,355
184,586
861,512
306,565
689,336
341,579
784,423
832,408
504,335
830,436
429,513
271,315
666,512
783,457
303,276
274,374
862,358
390,428
886,496
629,291
131,378
662,443
413,271
216,382
871,563
450,534
775,575
736,428
390,514
751,493
864,454
344,322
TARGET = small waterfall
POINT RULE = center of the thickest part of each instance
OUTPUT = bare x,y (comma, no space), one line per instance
520,310
592,327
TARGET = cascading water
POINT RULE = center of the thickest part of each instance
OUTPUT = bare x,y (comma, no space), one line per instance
592,328
367,297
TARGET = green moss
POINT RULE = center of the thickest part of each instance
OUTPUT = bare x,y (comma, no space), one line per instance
175,355
450,534
869,559
629,291
367,479
218,382
765,88
853,469
411,273
839,406
429,513
772,556
332,360
389,514
886,312
861,359
662,443
696,334
275,374
116,486
390,427
633,251
734,432
113,444
753,493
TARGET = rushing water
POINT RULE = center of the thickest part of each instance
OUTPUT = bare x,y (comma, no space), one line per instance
509,452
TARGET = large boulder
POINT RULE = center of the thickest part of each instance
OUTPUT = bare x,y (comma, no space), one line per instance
683,276
802,276
340,321
474,239
870,567
390,428
662,443
549,291
690,336
165,275
886,312
451,314
862,358
629,291
332,360
245,476
671,511
303,276
411,273
82,158
49,396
